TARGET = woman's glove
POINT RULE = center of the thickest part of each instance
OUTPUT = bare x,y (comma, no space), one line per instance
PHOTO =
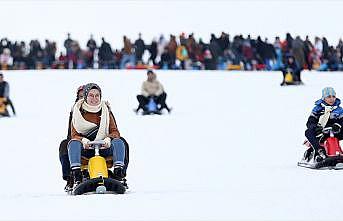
107,141
85,143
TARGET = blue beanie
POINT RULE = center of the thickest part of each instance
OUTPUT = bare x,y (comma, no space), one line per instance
327,91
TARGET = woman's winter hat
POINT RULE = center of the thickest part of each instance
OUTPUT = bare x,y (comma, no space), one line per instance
327,91
89,87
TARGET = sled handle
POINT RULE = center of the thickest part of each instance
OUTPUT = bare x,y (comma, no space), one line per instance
328,130
96,144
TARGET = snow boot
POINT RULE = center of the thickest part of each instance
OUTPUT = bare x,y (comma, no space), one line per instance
321,155
308,155
118,172
77,175
69,185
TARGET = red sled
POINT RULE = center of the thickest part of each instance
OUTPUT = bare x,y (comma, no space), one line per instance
332,147
334,159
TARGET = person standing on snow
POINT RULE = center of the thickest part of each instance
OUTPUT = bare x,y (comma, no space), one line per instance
92,114
326,113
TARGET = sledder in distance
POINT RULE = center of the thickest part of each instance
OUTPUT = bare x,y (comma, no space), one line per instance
152,99
97,176
5,100
291,72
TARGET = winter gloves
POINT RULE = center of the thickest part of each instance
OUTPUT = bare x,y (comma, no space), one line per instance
336,128
319,130
85,142
107,141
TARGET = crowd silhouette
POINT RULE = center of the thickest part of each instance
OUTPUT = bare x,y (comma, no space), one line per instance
177,52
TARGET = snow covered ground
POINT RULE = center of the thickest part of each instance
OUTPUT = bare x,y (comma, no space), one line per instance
228,151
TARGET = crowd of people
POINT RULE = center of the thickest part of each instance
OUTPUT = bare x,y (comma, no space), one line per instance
176,52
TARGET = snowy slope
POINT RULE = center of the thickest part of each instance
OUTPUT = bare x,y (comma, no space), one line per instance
228,151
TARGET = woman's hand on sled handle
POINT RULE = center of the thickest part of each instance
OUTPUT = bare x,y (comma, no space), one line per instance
85,143
107,143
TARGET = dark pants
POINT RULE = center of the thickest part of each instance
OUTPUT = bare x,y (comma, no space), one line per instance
65,163
160,100
9,102
64,159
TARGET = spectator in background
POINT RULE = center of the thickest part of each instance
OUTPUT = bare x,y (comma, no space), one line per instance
182,55
62,61
307,50
245,53
92,46
139,49
49,53
278,65
161,46
215,49
153,51
318,46
166,60
67,44
6,60
209,62
172,45
128,58
298,52
105,54
288,43
325,48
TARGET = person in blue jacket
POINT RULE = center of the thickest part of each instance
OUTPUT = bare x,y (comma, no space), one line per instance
326,113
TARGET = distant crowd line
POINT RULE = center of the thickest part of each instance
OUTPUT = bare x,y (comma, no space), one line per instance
177,52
